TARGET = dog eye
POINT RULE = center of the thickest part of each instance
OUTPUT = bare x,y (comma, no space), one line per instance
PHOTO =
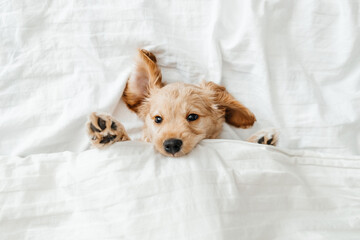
192,117
158,119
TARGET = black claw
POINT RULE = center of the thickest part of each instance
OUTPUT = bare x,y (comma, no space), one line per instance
113,126
93,128
102,123
261,140
269,141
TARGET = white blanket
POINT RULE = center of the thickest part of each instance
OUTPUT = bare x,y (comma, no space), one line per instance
294,63
226,190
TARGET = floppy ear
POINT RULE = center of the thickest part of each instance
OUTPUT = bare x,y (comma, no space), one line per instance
145,77
236,114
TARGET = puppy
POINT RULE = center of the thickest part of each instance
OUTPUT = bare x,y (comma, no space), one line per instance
176,116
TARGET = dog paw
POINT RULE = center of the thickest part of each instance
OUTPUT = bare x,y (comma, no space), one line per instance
267,137
104,130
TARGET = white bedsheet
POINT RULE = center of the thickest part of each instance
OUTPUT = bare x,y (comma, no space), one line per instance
295,64
223,190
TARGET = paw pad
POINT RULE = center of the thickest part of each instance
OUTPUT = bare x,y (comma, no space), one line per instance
267,137
268,142
104,130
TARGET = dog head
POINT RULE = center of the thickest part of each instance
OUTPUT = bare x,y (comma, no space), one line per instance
178,116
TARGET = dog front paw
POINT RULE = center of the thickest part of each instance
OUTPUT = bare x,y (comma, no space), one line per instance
267,137
105,130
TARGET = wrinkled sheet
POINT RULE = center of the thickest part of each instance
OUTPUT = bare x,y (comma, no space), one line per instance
224,189
295,64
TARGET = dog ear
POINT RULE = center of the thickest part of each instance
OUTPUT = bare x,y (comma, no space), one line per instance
145,77
236,114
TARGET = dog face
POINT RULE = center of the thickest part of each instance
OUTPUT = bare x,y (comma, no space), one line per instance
178,116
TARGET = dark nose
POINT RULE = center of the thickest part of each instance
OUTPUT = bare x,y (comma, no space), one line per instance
172,145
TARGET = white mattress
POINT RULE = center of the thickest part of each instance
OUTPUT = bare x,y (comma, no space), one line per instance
295,64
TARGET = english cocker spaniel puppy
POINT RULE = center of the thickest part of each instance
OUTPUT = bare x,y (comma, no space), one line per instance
176,116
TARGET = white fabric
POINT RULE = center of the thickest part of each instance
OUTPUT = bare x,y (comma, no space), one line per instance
223,190
295,64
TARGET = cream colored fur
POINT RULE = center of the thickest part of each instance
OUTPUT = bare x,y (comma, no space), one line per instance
149,97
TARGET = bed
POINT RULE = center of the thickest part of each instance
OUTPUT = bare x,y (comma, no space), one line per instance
295,64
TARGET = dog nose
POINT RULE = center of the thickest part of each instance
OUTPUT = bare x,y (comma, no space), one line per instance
172,145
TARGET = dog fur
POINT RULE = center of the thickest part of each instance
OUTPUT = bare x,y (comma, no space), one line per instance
145,94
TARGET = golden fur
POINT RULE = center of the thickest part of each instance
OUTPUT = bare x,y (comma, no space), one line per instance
149,97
